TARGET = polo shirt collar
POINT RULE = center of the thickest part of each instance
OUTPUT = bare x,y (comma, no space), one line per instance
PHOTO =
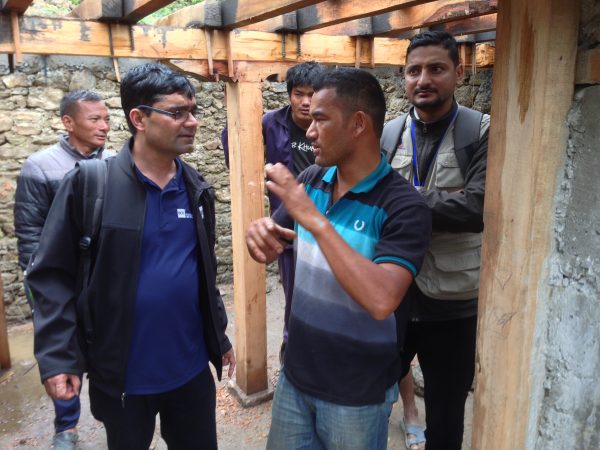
367,183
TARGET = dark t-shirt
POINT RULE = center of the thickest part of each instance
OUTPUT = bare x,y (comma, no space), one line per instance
302,149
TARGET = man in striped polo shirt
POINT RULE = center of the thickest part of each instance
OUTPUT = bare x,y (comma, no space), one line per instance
360,235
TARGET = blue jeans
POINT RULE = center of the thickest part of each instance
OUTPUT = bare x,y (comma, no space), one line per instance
301,421
66,414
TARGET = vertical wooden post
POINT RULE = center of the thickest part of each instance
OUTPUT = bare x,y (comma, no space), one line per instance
246,163
4,350
16,34
532,93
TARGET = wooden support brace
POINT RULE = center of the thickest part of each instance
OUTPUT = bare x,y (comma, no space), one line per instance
209,53
244,119
4,350
14,21
112,53
357,60
532,94
588,67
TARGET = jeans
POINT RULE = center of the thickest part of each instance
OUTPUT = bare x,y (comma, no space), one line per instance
301,421
66,414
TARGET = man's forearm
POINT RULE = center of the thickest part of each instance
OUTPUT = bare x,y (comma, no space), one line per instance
378,288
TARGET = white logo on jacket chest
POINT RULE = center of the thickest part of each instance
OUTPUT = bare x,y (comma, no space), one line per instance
181,214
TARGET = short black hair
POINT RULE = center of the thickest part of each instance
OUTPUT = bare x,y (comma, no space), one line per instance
359,90
69,103
148,83
303,74
442,38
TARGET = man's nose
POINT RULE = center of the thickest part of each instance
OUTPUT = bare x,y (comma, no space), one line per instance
311,132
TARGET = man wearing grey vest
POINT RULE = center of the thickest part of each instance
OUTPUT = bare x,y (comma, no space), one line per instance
86,120
441,148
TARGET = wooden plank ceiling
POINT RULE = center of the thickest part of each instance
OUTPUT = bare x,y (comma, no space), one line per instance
231,35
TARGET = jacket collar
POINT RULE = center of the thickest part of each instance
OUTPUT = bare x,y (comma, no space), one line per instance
66,146
191,176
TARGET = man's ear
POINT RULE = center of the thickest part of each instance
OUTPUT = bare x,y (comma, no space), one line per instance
68,123
360,122
137,119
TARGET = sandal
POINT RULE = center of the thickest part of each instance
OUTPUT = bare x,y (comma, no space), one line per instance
414,434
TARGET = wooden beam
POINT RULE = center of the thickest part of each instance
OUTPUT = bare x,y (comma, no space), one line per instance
588,67
532,93
135,10
358,27
205,14
16,36
45,36
19,6
4,349
244,119
472,25
284,22
98,10
332,12
87,38
440,11
239,13
243,71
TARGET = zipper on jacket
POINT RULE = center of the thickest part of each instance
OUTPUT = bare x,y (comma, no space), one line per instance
123,400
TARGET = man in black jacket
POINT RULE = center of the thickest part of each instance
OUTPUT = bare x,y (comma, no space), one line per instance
153,316
86,120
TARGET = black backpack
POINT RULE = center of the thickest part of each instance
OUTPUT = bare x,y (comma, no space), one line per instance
93,175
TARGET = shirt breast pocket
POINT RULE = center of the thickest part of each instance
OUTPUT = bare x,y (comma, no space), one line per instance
448,175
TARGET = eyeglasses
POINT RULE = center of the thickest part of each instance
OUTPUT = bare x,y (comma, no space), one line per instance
179,115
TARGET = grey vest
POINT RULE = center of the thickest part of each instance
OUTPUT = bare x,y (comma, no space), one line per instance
450,270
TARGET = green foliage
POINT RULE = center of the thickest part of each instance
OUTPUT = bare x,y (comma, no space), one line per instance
176,5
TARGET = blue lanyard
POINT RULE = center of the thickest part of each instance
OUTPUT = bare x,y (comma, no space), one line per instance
415,161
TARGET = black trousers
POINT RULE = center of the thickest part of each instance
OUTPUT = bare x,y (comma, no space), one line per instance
446,351
187,416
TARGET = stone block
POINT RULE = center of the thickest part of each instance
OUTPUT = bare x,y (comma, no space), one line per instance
14,80
45,98
83,79
113,102
6,123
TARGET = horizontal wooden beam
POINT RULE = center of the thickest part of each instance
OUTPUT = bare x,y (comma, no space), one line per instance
239,13
488,36
428,14
98,10
44,36
20,6
135,10
284,22
332,12
588,67
472,25
205,14
357,27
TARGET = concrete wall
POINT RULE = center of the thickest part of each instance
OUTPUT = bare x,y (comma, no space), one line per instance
29,121
570,411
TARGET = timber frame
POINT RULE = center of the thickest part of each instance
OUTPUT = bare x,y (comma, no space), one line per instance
245,41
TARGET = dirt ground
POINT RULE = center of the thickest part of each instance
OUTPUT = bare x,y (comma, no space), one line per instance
26,412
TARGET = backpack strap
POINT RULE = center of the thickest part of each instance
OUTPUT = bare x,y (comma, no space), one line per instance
392,133
466,136
93,175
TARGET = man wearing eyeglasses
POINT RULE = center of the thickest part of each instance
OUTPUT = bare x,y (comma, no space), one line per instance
156,315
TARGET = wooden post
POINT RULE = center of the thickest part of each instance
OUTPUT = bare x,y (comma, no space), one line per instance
532,93
246,164
16,34
4,350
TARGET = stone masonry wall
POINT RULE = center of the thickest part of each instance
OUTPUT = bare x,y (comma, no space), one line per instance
29,121
570,410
